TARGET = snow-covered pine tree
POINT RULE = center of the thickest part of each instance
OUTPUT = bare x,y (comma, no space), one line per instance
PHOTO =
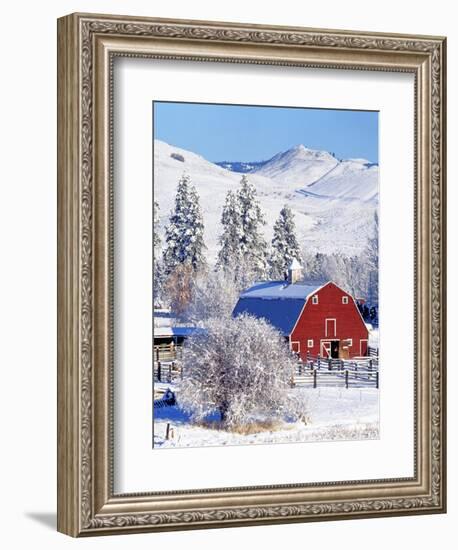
229,254
225,370
184,242
253,247
285,247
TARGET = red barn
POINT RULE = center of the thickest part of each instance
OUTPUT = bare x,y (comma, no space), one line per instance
319,319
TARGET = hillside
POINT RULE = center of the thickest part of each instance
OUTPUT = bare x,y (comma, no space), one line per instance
333,200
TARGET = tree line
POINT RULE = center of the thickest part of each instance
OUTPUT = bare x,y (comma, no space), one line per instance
184,281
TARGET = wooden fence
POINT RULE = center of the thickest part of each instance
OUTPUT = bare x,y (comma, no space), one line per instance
318,372
167,372
372,352
315,372
167,352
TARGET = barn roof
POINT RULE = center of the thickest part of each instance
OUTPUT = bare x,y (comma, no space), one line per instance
278,302
278,290
282,314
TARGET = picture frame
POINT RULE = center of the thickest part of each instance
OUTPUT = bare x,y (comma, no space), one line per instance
88,44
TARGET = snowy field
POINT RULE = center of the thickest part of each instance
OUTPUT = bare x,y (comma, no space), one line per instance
334,414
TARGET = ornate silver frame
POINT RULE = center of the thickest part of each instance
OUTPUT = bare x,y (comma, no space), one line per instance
87,44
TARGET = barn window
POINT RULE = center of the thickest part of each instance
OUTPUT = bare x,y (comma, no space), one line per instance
315,299
349,342
310,343
344,299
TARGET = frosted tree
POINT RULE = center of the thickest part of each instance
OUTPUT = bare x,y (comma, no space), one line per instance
184,242
371,258
352,275
285,247
315,268
157,264
229,254
156,236
214,295
226,370
253,247
178,289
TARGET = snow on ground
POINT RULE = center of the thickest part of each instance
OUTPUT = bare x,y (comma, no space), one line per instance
335,414
333,201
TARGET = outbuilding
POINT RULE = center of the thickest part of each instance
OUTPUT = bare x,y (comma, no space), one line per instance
316,318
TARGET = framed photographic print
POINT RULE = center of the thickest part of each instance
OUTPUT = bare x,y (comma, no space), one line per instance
251,274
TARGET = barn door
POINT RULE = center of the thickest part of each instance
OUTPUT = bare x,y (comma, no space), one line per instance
326,349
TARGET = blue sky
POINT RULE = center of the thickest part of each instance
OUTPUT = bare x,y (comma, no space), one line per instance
247,133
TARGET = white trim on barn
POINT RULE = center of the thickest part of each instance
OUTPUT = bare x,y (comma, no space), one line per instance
326,327
298,350
345,300
306,302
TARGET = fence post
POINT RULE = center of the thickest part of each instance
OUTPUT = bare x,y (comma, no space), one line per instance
376,379
329,364
314,378
318,360
159,371
170,374
346,379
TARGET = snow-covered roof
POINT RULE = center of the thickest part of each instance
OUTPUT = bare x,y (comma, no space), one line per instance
295,264
282,314
164,325
278,302
279,290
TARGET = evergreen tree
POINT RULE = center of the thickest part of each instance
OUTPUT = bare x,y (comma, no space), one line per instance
253,247
184,243
229,254
285,247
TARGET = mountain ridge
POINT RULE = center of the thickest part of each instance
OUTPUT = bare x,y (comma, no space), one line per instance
333,200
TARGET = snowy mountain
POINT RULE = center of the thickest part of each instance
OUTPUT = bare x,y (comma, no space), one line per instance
349,179
333,200
298,166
